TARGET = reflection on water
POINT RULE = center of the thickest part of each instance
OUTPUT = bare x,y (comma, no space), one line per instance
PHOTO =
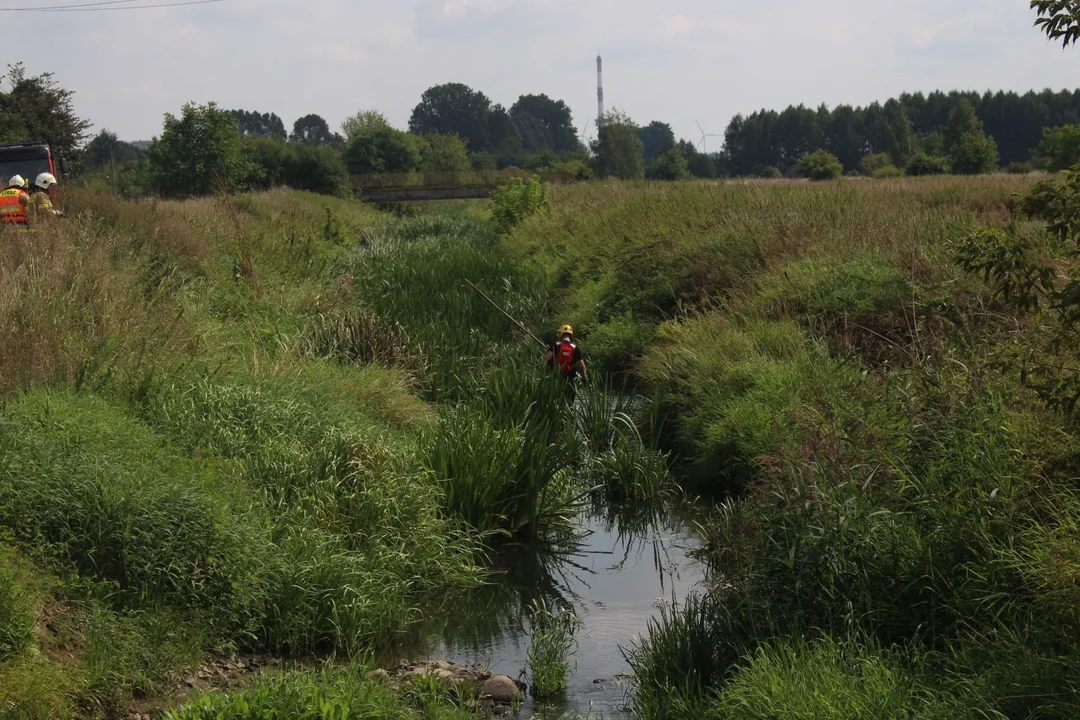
614,577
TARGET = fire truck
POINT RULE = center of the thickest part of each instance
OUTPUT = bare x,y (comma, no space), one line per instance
30,159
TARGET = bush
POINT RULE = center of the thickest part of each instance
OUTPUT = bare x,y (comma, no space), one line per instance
924,164
383,150
887,172
1020,168
1060,147
514,201
820,165
198,151
671,165
769,172
975,153
872,163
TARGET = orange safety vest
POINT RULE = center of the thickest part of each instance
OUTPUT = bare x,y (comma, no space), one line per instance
13,206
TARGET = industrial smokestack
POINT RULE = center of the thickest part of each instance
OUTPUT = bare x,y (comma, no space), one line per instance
599,90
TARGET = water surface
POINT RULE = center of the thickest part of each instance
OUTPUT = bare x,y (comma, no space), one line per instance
615,580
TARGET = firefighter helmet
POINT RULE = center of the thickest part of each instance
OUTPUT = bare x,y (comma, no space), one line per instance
45,180
16,181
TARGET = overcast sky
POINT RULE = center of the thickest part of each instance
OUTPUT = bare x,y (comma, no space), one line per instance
679,61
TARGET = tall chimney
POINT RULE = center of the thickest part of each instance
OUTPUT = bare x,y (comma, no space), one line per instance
599,90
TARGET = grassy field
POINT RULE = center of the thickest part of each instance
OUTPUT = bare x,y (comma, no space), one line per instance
283,424
896,535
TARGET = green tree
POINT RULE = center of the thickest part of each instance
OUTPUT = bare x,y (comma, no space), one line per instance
618,151
820,165
1059,19
443,153
314,130
384,150
974,154
455,109
671,165
255,124
316,168
197,152
962,120
1060,147
36,108
553,116
362,121
657,138
106,150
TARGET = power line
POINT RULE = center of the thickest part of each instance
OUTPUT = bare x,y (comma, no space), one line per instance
93,6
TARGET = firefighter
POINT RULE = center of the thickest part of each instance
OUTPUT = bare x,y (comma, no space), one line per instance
15,202
41,207
565,356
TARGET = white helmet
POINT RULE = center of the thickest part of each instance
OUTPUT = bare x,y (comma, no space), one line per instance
45,181
17,181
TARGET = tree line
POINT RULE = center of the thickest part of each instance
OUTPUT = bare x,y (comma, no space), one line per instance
902,127
454,127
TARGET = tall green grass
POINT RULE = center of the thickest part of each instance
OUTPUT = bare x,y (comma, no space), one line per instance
552,633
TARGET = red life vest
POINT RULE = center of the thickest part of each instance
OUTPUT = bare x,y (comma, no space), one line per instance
13,206
564,356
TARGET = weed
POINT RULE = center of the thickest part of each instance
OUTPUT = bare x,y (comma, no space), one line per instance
552,631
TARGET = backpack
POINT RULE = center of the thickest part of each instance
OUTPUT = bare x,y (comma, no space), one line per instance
564,356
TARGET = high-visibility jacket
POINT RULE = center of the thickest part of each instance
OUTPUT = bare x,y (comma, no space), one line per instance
14,204
41,207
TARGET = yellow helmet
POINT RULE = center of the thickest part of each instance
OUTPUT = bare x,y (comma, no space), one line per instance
566,330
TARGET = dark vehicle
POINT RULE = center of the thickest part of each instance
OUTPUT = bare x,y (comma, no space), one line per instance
29,159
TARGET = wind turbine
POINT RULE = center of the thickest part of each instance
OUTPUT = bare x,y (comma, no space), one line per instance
704,136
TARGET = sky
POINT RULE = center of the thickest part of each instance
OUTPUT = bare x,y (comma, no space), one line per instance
684,62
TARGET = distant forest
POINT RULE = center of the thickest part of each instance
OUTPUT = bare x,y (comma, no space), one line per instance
900,127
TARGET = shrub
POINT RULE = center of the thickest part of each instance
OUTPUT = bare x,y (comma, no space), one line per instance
820,165
514,201
924,164
974,153
1019,168
872,163
1060,147
770,172
383,150
670,165
887,172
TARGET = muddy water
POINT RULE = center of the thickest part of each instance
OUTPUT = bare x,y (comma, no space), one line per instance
615,580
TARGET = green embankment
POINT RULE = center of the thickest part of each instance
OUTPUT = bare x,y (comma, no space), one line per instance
282,423
897,535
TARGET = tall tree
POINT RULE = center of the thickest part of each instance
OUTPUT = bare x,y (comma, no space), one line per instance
197,152
656,138
454,109
618,151
107,149
556,118
362,121
256,124
314,130
36,108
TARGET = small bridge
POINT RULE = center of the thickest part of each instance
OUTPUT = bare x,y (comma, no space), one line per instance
397,187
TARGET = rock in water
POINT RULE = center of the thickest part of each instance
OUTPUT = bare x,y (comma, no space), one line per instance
501,689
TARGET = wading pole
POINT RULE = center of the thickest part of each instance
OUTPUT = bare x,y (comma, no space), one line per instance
526,330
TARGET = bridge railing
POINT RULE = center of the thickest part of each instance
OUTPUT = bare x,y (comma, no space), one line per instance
466,179
471,178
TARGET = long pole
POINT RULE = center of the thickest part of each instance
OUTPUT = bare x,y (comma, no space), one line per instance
495,305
